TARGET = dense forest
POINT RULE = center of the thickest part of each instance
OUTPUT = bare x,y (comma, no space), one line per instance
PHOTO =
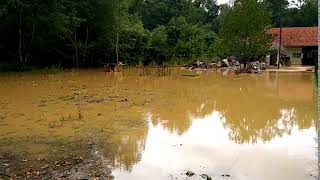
84,33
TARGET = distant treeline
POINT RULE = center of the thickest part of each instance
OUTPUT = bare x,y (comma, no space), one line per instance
83,33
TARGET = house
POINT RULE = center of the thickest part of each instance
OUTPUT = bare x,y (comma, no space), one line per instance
299,45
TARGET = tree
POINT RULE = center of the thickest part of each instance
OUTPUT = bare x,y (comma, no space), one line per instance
302,15
50,32
278,9
221,18
81,33
158,12
299,13
133,40
20,22
244,32
158,45
210,6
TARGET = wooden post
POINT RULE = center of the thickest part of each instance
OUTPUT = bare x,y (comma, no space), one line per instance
318,78
280,44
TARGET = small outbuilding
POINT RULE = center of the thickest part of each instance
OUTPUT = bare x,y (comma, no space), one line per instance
299,45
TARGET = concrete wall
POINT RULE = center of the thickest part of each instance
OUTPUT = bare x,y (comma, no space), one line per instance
290,51
294,60
268,59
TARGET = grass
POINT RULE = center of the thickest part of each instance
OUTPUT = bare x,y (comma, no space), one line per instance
53,69
5,67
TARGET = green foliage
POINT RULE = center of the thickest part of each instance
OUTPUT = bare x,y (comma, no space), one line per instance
191,40
133,40
157,12
244,32
82,33
158,40
277,9
54,31
302,14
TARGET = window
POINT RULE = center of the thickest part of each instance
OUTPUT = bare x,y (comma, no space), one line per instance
309,54
296,55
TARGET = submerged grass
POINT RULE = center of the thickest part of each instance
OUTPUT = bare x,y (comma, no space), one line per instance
53,69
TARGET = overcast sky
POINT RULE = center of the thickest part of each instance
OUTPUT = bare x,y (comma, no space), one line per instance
227,1
222,1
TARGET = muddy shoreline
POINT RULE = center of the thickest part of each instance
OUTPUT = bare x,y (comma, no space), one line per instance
72,160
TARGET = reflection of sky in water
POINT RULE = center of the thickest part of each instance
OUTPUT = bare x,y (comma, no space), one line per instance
261,126
206,148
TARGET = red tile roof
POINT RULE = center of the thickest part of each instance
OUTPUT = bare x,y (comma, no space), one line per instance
296,36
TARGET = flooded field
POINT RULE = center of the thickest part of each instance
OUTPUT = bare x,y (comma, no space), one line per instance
127,125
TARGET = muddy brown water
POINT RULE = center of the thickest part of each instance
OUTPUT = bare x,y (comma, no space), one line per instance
247,126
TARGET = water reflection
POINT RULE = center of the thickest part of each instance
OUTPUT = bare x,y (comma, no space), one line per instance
251,105
206,147
248,118
160,127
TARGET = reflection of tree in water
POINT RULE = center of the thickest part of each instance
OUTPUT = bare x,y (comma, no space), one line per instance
123,141
255,107
252,108
178,99
176,114
178,117
258,113
247,130
307,115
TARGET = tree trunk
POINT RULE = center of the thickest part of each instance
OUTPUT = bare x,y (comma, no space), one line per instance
86,44
117,46
76,50
280,44
24,53
27,51
117,30
20,41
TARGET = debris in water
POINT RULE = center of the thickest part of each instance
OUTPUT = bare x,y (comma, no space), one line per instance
206,176
33,174
45,166
190,173
82,178
225,175
190,75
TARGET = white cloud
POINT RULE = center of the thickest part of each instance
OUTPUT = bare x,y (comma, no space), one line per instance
223,1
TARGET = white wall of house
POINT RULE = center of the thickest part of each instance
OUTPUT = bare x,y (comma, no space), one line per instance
295,54
268,59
